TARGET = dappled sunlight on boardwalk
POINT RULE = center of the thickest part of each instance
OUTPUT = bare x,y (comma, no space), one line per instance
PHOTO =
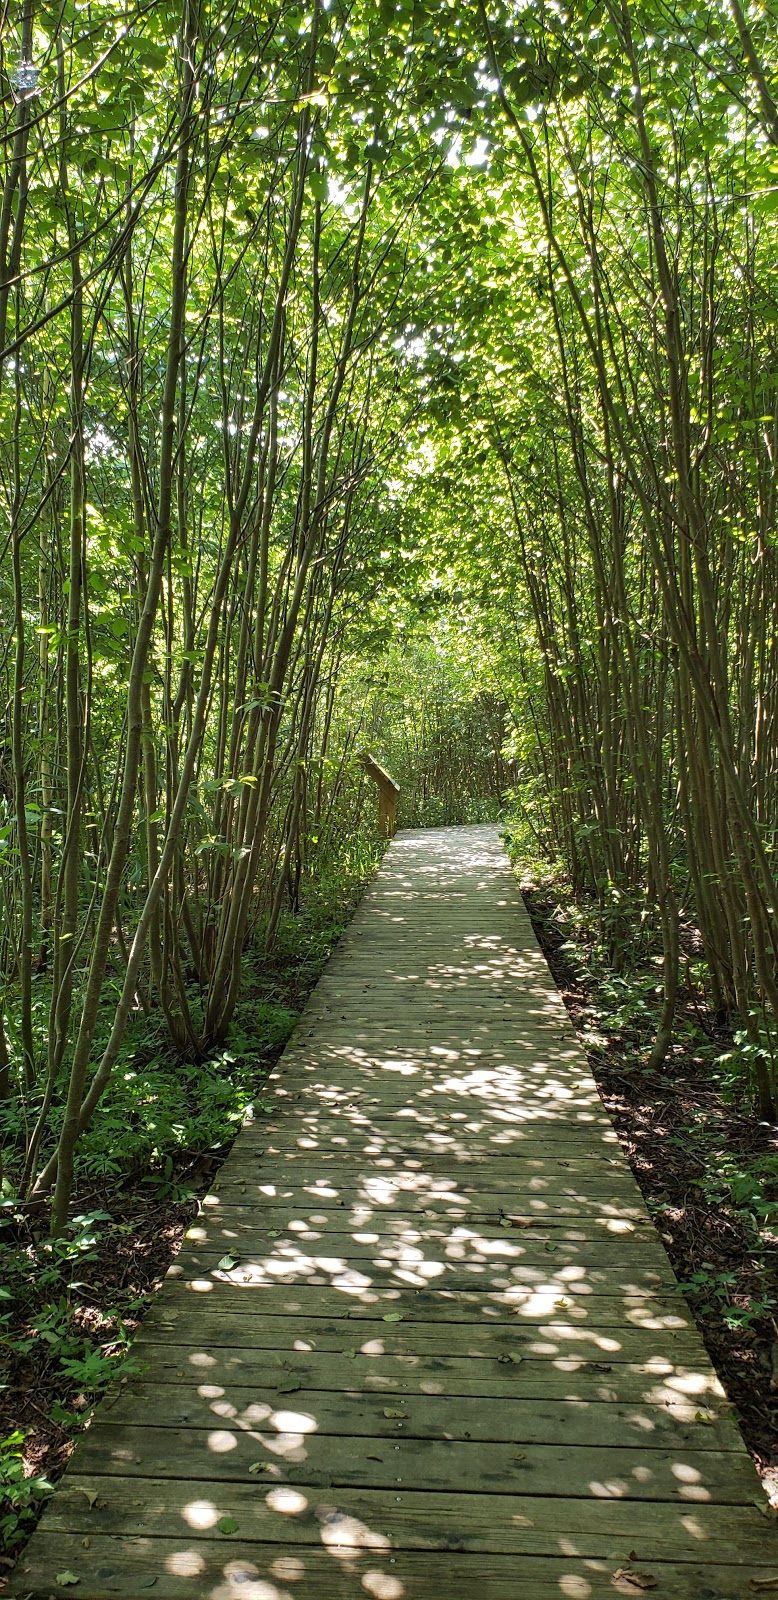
423,1335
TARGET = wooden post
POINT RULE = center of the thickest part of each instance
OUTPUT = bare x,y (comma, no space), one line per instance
388,796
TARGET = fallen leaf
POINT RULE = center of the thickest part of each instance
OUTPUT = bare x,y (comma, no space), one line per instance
374,1458
393,1316
290,1387
348,1352
759,1585
66,1579
638,1580
227,1525
226,1264
510,1360
148,1582
274,1234
259,1466
86,1544
702,1416
389,1413
91,1495
765,1509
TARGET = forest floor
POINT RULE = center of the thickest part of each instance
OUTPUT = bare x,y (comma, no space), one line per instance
707,1168
69,1309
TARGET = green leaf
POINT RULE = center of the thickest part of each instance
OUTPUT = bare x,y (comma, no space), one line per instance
67,1579
227,1525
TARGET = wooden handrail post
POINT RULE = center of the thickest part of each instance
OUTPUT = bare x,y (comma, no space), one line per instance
388,795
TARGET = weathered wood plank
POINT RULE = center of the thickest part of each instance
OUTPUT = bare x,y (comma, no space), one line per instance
500,1524
290,1450
409,1193
604,1298
217,1569
347,1138
372,1239
556,1339
651,1423
510,1375
326,1214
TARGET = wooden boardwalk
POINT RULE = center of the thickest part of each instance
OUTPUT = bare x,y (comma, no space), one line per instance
450,1357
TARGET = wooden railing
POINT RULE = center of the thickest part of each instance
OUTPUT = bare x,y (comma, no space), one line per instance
388,795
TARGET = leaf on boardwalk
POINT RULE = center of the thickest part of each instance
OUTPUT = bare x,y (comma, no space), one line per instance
227,1525
260,1466
763,1585
348,1353
638,1580
392,1316
290,1387
510,1360
765,1509
66,1579
91,1496
226,1264
388,1412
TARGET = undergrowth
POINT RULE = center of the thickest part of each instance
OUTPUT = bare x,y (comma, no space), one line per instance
707,1166
70,1306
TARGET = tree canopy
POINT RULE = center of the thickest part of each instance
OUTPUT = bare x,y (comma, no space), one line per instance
393,376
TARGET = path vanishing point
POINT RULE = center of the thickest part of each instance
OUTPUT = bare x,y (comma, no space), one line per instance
424,1341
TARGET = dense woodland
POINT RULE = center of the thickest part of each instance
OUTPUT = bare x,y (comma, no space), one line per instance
393,376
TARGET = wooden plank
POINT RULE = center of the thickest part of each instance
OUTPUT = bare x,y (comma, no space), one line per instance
558,1341
410,1269
292,1206
605,1184
424,1241
215,1569
326,1217
412,1123
511,1375
364,1142
359,1232
514,1285
498,1523
674,1423
355,1303
290,1450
